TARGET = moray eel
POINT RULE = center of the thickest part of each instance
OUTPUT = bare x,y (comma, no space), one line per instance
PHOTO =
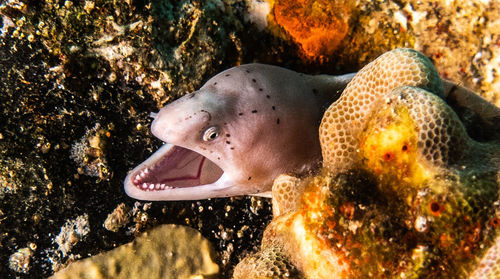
237,133
250,123
405,191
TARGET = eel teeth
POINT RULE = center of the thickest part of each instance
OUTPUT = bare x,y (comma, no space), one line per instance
141,176
147,186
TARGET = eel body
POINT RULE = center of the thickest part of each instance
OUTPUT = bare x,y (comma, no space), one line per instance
251,123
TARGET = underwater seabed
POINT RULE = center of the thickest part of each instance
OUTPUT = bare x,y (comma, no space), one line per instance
80,78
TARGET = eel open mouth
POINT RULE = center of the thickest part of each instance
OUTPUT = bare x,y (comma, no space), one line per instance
172,171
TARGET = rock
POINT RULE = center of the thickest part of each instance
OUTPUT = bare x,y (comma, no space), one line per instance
79,79
168,251
71,233
118,218
20,260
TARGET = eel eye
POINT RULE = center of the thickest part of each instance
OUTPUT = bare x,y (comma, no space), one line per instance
211,133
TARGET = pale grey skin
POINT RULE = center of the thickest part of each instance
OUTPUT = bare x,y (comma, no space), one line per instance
266,121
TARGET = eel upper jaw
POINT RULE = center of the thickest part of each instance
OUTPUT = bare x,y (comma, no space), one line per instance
177,173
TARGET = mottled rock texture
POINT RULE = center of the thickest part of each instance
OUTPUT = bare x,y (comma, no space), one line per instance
167,251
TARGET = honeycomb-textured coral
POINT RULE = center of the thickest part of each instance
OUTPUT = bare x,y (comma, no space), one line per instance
442,138
267,263
287,191
489,266
347,117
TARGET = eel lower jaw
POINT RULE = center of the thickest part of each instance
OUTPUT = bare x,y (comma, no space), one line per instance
177,173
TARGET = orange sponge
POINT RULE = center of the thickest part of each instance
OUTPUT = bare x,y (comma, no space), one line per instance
317,26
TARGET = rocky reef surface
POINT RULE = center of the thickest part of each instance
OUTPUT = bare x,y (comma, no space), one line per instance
167,251
79,79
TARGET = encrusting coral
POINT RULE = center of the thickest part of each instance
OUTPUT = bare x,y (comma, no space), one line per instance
404,193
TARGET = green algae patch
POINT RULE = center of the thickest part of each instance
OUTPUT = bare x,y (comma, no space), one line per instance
168,251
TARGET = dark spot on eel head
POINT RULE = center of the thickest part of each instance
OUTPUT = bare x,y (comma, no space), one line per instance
260,89
278,121
241,113
227,75
232,148
315,91
247,71
215,83
274,108
267,96
254,111
228,142
218,158
249,177
254,80
228,135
